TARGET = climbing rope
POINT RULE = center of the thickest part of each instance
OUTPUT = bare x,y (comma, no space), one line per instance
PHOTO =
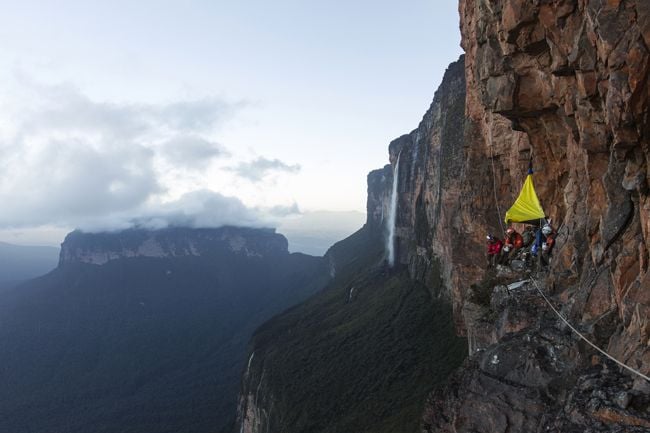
578,333
494,176
638,373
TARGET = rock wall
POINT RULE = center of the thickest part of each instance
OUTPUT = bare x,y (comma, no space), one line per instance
254,399
100,248
447,189
363,354
572,76
436,208
564,82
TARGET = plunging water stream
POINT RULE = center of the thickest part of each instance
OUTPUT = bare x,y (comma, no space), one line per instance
392,215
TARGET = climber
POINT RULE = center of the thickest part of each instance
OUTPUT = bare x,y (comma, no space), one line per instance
543,246
512,244
547,246
528,236
493,250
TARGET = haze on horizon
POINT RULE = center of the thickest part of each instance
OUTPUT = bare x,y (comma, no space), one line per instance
205,113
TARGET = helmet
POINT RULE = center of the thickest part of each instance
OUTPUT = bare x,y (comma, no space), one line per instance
544,247
547,230
506,248
510,231
489,237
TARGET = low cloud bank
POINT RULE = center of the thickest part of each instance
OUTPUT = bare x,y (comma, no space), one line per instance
197,209
69,161
258,169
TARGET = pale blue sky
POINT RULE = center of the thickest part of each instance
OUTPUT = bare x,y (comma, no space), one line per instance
320,85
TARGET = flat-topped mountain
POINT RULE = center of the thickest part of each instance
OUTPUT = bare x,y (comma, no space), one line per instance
100,248
143,331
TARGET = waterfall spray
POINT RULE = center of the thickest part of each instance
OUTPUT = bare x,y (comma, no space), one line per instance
392,215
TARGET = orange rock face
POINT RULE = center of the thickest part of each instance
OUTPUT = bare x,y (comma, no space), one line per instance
567,80
566,84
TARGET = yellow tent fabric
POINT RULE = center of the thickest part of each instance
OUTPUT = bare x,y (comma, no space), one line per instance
526,207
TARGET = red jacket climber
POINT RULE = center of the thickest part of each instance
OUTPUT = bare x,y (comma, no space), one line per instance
493,250
493,245
513,239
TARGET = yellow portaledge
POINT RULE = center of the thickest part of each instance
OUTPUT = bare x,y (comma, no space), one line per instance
526,207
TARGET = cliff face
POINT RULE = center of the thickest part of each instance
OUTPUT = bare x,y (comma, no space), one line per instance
573,77
100,248
363,354
434,207
446,194
565,81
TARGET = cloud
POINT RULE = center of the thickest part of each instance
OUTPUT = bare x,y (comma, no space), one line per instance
63,107
259,168
198,115
284,211
65,181
197,209
192,151
68,160
202,209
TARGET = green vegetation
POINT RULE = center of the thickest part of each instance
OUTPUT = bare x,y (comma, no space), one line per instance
143,345
361,360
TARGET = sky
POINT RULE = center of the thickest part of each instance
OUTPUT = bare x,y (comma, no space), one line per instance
205,113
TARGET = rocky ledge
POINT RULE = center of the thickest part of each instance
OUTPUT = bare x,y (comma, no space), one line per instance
529,372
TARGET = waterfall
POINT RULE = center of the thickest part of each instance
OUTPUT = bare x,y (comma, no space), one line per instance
414,154
392,215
